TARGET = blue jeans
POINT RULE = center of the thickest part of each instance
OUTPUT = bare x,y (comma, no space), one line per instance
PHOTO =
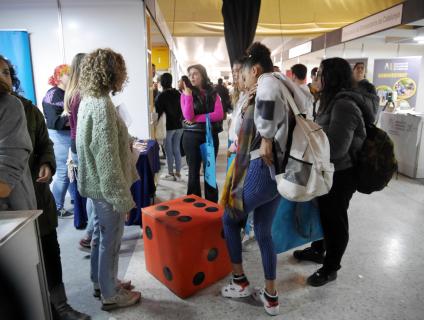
90,224
261,196
88,206
105,245
172,149
62,143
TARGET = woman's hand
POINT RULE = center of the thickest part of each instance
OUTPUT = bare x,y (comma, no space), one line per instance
232,148
265,151
189,122
45,174
187,91
5,190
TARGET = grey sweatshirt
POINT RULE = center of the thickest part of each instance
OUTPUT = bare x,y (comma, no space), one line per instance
15,149
272,110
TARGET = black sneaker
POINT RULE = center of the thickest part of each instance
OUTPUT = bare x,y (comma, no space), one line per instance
64,214
321,277
309,254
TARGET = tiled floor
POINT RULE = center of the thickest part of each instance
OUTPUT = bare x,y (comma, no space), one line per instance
382,275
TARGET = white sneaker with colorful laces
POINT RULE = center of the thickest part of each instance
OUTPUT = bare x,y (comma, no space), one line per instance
271,305
235,290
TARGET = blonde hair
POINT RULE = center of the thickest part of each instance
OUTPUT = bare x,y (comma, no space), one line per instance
102,71
72,88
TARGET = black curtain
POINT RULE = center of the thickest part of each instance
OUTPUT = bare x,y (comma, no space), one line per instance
240,21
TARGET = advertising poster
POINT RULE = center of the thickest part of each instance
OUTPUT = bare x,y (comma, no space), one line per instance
14,45
396,81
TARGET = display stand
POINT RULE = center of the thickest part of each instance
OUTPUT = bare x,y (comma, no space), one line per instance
21,259
406,131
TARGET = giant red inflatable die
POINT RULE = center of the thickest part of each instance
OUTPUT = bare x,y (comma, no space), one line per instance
184,244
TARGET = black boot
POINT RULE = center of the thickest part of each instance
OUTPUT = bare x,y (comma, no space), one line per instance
62,310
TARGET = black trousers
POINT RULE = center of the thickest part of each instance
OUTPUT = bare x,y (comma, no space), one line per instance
191,144
334,219
52,262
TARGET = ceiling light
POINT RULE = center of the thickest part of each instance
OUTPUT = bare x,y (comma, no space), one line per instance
419,38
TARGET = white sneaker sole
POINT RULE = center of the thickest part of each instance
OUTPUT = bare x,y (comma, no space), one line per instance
234,294
113,306
272,311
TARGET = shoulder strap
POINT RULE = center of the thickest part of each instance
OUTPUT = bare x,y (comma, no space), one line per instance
290,100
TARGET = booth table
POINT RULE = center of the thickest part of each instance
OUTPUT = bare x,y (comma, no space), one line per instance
148,165
143,191
22,264
406,130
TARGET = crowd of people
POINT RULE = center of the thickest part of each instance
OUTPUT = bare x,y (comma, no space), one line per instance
80,119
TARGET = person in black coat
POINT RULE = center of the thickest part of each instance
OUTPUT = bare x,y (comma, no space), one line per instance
168,103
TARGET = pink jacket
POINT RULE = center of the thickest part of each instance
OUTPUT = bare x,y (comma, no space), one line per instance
188,110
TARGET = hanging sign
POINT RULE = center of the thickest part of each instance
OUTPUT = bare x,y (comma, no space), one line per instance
381,21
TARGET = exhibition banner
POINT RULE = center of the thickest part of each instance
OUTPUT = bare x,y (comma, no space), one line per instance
396,80
14,45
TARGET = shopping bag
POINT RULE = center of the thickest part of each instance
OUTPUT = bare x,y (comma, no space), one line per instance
208,155
296,224
160,128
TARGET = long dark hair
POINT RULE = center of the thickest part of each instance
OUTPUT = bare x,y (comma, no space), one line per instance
259,54
336,76
16,83
206,83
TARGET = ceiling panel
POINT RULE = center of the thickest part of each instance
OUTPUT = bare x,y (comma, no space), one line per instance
287,17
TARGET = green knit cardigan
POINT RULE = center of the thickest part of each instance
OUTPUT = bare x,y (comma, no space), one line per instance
106,168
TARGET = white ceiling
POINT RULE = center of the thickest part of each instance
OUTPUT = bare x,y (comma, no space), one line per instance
212,51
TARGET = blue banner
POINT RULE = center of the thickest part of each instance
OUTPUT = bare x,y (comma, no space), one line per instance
14,45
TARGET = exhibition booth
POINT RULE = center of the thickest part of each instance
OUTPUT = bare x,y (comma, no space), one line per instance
394,64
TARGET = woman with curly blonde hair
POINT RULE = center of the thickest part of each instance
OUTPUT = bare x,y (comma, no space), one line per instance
106,171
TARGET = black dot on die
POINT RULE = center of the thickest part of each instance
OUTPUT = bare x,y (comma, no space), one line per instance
185,218
149,233
198,278
162,208
167,273
172,213
222,234
212,254
211,209
200,204
189,200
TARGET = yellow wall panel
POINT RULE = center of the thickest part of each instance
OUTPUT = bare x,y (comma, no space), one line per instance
160,57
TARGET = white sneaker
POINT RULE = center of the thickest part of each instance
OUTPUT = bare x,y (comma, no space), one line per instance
124,298
271,305
234,290
169,177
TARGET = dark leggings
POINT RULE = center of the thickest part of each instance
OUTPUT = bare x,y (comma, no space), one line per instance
333,211
260,195
191,144
51,256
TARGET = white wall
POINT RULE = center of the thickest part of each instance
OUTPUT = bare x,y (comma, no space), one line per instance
40,19
87,25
